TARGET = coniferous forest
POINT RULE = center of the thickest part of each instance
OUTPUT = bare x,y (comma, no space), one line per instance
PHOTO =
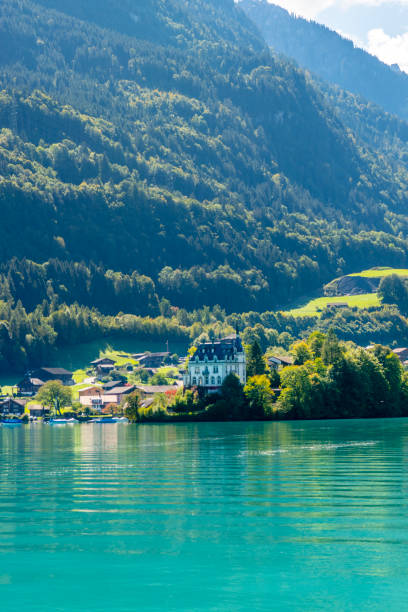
157,157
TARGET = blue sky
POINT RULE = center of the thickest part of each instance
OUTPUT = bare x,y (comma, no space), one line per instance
380,26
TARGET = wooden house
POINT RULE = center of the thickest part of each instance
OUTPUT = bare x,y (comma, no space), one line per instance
102,361
29,386
47,374
11,406
153,360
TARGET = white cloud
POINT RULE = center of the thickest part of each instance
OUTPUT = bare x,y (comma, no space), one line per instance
312,8
390,49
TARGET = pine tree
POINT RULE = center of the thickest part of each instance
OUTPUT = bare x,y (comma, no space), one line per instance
256,365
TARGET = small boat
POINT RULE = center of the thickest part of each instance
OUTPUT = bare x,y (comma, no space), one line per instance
11,422
62,422
105,420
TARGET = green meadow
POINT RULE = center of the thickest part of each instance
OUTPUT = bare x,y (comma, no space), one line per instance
381,272
317,306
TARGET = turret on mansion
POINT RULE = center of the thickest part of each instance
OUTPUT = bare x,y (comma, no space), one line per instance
213,361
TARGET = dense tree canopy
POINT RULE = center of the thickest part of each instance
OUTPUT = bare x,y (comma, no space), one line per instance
156,157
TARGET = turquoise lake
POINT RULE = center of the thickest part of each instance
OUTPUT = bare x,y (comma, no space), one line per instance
204,517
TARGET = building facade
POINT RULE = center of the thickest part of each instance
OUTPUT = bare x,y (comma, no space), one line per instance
213,362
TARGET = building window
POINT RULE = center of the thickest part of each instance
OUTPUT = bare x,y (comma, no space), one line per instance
207,381
197,370
194,381
215,369
212,380
219,380
200,381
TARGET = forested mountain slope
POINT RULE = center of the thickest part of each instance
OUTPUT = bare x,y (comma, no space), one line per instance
330,56
163,137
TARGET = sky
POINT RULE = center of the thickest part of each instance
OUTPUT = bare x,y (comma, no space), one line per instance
379,26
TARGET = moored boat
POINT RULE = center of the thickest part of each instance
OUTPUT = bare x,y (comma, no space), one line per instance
11,422
62,422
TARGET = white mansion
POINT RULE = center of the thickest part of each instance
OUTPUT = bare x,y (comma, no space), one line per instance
213,361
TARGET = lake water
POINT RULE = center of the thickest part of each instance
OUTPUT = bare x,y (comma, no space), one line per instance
207,517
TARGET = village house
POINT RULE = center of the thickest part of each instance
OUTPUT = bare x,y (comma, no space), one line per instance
104,369
337,305
102,361
152,360
402,354
111,385
98,398
29,386
213,362
47,374
149,391
11,406
36,410
279,362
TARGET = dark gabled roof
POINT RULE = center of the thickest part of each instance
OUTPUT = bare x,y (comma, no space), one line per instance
221,349
56,371
98,361
154,355
112,384
153,389
287,360
120,390
14,400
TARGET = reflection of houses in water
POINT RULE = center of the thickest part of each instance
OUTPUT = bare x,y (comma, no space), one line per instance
96,438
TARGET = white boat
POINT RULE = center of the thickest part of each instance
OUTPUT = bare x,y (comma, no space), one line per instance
63,421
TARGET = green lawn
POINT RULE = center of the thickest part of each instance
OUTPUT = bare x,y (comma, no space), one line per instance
381,272
315,307
79,376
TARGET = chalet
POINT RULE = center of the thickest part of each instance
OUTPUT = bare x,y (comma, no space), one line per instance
89,391
47,374
105,368
149,391
153,360
102,361
213,362
36,410
402,354
337,305
29,386
98,398
118,393
11,406
111,385
279,362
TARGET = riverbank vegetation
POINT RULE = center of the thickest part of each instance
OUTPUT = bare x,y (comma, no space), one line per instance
329,380
30,338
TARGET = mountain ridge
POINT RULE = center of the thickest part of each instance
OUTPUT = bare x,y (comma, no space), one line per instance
131,154
330,56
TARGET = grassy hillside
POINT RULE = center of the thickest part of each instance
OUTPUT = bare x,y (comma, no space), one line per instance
381,273
317,306
356,298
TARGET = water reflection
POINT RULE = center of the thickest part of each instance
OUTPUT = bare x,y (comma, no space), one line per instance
204,517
